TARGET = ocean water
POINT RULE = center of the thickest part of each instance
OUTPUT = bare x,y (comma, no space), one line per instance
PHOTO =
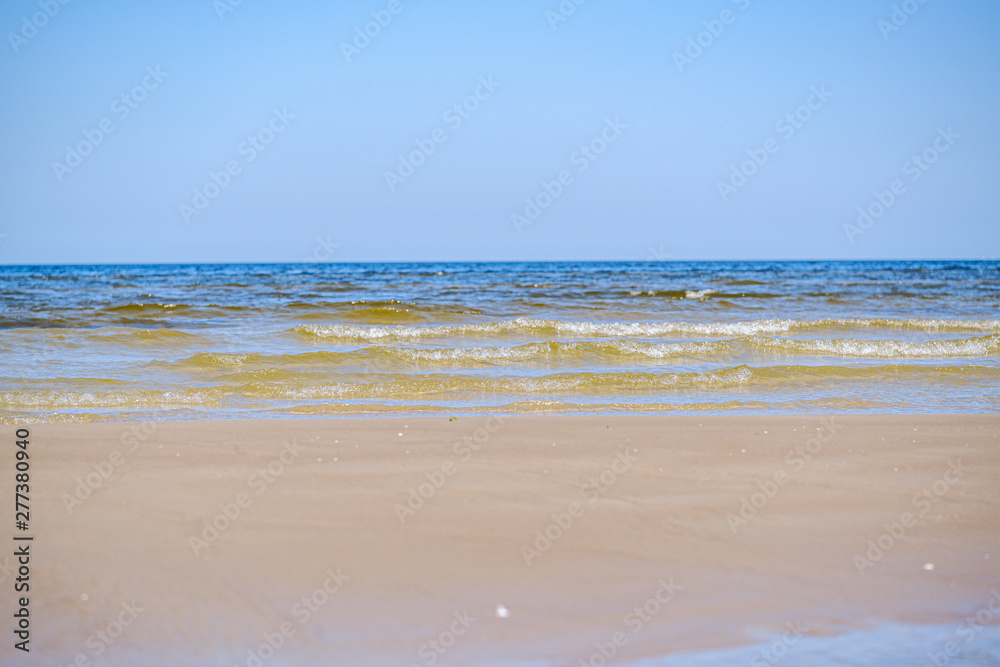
887,645
83,343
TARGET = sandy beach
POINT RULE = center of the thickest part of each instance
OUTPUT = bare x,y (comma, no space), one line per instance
500,541
520,334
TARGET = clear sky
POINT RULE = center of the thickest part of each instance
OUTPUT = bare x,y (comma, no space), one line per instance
279,131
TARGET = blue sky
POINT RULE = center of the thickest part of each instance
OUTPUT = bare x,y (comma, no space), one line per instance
252,133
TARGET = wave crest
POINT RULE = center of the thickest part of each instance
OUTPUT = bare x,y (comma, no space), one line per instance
536,327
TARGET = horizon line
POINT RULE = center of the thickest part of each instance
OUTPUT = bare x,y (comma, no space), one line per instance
502,261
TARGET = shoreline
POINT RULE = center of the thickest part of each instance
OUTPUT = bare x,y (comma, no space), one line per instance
434,412
735,525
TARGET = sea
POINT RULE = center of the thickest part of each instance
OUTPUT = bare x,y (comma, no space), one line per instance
234,341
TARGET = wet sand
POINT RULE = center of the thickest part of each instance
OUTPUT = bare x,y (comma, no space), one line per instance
486,541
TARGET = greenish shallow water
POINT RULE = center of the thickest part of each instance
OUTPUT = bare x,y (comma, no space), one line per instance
83,343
